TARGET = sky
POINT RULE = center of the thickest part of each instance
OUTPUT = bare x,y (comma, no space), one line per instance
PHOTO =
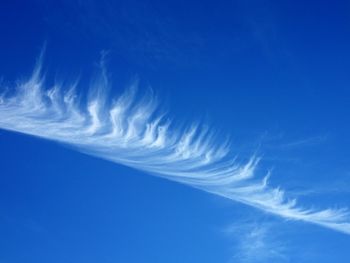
174,131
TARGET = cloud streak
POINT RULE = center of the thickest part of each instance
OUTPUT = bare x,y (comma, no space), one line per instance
131,131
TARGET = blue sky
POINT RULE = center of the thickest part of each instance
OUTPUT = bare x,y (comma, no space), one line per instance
271,76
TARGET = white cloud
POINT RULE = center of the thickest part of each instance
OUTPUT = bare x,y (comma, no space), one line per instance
129,131
256,242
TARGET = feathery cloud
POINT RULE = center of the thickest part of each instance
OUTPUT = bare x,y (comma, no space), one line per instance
130,131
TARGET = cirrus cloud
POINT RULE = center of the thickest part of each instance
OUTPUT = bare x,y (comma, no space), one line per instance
131,131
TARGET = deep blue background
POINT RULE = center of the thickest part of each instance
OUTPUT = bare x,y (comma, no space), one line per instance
272,75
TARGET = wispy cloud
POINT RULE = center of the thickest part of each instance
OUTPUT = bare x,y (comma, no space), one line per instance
296,143
256,242
131,131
